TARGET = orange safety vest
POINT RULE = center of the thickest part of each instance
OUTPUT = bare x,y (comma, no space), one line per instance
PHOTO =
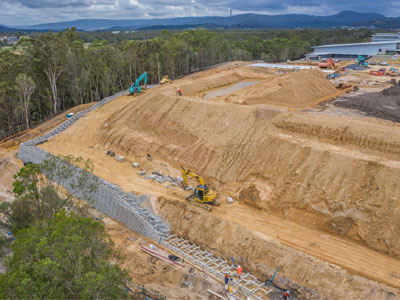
239,270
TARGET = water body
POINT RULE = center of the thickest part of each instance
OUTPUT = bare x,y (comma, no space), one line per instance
228,89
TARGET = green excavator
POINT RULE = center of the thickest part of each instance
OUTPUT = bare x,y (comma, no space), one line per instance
137,88
361,61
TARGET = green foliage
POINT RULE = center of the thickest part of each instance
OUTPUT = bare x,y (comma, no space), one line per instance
66,257
34,198
37,199
5,207
70,68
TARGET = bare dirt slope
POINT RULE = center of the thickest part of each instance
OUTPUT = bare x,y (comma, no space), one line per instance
174,283
255,247
295,89
327,174
235,146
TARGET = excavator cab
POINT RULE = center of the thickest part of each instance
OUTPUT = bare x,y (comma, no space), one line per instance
201,193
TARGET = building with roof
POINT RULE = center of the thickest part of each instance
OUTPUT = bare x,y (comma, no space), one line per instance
384,37
12,40
352,51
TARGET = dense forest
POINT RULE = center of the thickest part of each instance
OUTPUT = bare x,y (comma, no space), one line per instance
48,73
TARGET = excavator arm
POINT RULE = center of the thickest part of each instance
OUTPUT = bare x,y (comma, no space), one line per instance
202,193
137,88
186,173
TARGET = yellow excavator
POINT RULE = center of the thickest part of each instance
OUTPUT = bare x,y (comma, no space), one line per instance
202,193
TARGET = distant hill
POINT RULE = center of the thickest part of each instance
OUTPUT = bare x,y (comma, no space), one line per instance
343,19
7,29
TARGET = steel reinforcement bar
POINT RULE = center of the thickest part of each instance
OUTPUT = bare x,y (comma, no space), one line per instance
106,197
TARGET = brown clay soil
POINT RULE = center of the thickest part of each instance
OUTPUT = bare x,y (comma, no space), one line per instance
384,104
314,194
12,142
153,274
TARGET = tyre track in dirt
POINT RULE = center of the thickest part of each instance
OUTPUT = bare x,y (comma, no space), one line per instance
347,254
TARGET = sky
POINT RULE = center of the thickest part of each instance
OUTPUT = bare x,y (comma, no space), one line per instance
29,12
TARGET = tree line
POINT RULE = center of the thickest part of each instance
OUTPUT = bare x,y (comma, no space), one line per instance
51,72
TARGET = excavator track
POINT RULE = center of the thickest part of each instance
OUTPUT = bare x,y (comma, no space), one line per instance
206,206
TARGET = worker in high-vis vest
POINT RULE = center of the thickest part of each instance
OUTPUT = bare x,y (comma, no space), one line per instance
239,270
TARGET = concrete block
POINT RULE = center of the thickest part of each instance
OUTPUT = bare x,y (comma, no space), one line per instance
119,158
142,173
136,165
229,200
153,176
160,179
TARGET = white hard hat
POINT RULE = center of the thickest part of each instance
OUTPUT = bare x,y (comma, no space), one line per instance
287,291
239,266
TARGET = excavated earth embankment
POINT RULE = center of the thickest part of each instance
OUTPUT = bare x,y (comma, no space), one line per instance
307,276
333,175
342,173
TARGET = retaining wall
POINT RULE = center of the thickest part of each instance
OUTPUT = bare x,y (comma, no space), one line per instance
106,197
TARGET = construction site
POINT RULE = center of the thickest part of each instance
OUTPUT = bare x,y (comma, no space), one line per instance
287,171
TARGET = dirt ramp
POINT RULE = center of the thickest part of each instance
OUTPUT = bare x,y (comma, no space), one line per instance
210,82
368,136
260,255
295,89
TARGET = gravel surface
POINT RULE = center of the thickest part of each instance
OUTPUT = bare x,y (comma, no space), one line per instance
384,105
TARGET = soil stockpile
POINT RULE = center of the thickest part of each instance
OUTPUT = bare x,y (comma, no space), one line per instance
295,89
385,104
299,89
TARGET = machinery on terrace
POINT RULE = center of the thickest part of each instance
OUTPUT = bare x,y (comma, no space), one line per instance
327,63
201,193
393,72
361,61
165,80
137,88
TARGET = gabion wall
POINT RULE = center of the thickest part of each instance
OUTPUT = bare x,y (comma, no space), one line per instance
106,197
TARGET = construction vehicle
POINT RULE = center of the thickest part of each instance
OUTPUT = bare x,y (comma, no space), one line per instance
361,61
137,88
393,72
332,76
202,193
377,73
165,79
327,63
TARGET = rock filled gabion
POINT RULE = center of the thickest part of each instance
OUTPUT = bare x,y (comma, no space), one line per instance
105,196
